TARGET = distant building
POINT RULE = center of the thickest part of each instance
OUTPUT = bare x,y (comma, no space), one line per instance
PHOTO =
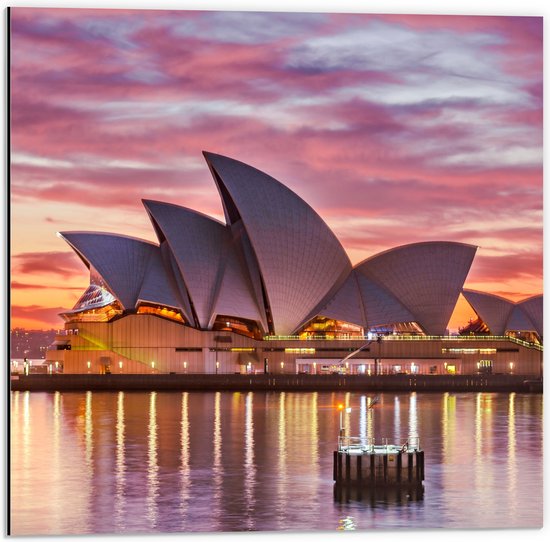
30,343
273,290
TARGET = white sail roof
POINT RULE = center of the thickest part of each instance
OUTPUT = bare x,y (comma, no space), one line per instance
299,257
120,260
533,307
381,306
199,245
519,321
158,285
347,304
426,278
494,310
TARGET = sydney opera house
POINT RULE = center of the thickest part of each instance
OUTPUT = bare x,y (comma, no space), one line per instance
273,290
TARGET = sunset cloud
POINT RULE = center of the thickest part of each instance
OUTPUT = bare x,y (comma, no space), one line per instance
65,264
395,128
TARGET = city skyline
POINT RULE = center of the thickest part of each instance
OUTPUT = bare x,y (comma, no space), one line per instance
366,117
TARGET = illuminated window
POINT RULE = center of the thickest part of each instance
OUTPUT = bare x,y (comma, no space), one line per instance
159,310
99,314
329,328
468,350
397,328
485,366
299,350
241,326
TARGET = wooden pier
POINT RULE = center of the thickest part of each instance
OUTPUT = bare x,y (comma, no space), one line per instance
363,463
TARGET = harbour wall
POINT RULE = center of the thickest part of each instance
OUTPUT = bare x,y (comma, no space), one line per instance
267,382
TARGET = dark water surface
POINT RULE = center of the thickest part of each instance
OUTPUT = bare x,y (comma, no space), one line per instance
132,462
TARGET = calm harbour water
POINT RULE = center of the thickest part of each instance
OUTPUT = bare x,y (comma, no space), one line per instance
198,462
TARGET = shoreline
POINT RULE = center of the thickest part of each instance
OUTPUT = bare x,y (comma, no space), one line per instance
275,382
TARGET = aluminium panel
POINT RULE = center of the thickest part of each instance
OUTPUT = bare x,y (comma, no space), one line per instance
299,257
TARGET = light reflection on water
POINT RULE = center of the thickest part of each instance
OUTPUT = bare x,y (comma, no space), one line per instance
228,461
120,472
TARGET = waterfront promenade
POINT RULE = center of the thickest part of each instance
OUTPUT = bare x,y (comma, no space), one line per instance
267,382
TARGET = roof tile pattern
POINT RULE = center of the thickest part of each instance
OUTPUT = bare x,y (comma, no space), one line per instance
425,277
158,287
347,304
533,307
492,309
276,248
519,321
236,296
122,261
299,257
198,244
381,306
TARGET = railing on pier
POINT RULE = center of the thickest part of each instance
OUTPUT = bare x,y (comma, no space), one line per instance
457,338
368,445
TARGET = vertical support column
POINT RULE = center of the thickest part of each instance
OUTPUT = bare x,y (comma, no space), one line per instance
399,466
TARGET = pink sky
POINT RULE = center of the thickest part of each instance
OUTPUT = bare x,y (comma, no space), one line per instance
395,128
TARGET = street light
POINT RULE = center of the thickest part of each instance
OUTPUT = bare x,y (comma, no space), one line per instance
341,409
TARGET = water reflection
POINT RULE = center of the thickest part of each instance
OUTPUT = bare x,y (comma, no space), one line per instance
89,434
478,443
249,467
363,418
512,466
56,458
315,467
397,437
346,524
217,467
413,419
281,463
378,497
370,419
159,462
152,463
185,469
26,434
120,470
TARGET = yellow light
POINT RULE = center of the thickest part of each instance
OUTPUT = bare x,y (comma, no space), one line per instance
89,364
120,364
340,406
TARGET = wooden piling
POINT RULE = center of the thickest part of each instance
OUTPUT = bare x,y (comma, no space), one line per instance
379,468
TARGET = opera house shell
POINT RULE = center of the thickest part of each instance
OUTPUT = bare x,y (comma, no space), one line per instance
271,289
